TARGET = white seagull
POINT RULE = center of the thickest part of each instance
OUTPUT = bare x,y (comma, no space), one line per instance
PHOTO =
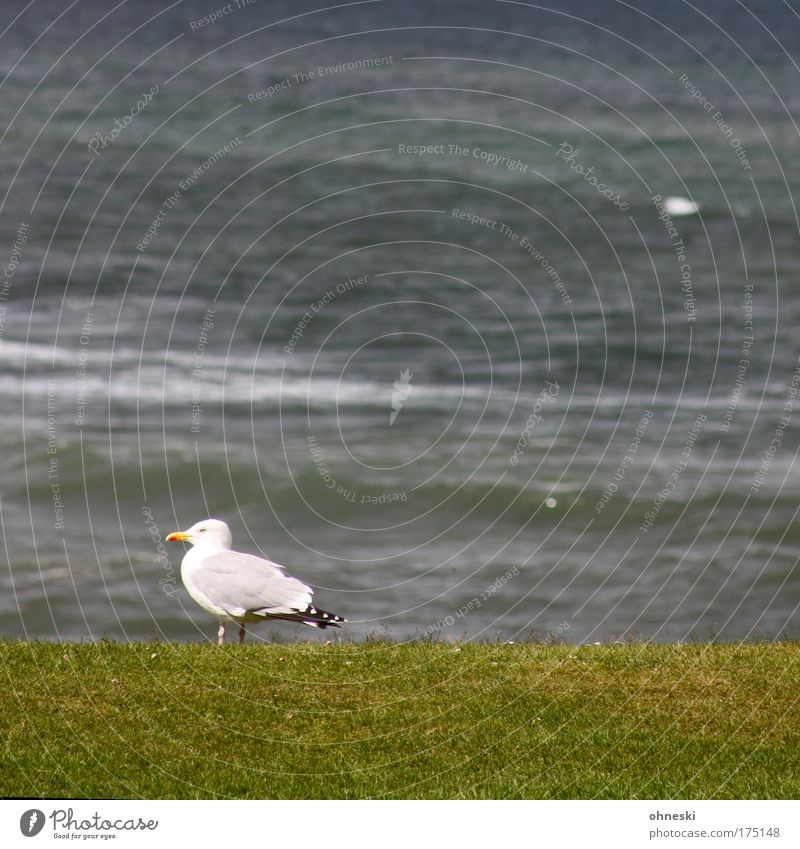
239,587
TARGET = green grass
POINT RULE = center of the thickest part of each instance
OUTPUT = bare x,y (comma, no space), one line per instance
428,720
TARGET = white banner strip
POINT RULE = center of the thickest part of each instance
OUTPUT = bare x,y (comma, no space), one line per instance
422,824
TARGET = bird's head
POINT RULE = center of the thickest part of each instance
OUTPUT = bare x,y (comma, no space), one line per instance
210,533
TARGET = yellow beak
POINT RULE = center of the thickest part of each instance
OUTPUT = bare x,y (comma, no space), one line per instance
177,536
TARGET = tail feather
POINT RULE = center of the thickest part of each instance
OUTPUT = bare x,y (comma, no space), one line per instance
321,618
312,616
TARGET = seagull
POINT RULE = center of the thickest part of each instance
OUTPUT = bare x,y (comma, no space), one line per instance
239,587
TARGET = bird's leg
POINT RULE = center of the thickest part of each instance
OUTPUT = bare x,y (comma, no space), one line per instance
221,634
241,632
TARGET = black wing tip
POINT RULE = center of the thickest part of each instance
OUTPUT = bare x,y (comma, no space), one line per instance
321,618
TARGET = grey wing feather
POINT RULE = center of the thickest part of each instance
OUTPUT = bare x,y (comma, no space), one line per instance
242,583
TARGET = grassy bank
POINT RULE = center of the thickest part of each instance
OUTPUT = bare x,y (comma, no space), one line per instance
417,720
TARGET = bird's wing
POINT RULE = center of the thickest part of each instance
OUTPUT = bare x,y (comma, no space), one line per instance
242,583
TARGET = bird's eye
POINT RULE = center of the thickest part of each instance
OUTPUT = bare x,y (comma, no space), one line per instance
203,530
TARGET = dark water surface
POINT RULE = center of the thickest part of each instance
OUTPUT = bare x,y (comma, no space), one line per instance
232,250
